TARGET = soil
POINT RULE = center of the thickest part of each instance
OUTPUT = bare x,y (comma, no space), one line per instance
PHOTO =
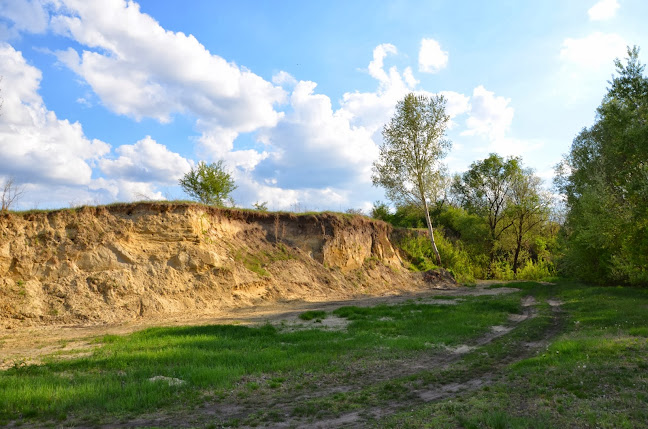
124,263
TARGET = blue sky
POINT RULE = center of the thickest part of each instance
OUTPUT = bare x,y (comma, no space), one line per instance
114,101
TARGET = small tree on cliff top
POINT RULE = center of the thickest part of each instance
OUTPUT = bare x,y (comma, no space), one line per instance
409,165
209,183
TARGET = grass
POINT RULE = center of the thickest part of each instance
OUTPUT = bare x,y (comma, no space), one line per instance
114,380
313,315
589,372
117,204
591,375
260,260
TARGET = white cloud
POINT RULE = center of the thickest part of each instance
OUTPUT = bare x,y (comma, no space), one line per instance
124,190
507,146
284,79
146,161
36,146
57,160
320,157
432,58
167,72
456,104
586,64
315,146
371,110
26,15
593,51
375,68
603,10
311,199
490,115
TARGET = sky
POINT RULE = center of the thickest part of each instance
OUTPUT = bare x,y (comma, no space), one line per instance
113,100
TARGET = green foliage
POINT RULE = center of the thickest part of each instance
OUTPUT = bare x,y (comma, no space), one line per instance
605,180
539,270
380,211
261,206
463,241
486,190
409,164
209,183
420,254
409,216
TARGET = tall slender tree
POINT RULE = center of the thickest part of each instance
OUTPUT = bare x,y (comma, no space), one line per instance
409,166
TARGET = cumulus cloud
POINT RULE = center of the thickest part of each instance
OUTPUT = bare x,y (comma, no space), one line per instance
55,158
119,189
456,104
376,66
432,58
317,154
23,15
603,10
36,146
370,110
308,199
490,115
146,161
139,69
593,51
315,146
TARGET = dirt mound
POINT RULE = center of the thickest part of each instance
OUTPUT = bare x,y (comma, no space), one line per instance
128,261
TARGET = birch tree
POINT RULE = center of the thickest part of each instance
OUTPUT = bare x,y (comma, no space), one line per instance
409,165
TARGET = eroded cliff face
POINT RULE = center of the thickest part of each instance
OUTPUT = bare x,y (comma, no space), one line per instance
117,263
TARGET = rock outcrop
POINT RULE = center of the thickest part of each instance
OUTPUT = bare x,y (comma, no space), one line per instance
125,261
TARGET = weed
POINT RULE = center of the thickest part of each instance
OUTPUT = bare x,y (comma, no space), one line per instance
313,314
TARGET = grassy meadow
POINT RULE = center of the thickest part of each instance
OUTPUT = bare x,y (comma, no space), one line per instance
581,361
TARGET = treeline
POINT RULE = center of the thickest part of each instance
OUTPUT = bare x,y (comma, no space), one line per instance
494,221
605,181
497,221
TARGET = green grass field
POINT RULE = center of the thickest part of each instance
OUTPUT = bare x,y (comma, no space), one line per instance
583,363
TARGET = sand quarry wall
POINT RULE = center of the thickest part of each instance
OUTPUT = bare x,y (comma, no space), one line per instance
122,262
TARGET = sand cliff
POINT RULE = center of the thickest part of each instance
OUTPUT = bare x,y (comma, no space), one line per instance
126,261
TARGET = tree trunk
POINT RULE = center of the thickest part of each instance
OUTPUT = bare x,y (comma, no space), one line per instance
491,261
517,253
431,232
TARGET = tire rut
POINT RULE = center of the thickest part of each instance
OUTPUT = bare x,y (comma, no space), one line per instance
283,404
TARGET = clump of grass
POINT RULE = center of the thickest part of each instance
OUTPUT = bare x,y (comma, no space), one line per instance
313,314
259,261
